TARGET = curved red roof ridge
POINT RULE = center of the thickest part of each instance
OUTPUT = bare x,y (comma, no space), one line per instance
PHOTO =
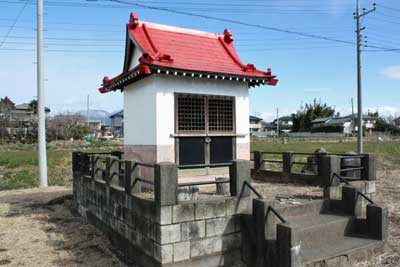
181,30
165,47
146,32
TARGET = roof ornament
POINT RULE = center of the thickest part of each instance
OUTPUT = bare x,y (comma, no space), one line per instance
249,67
106,80
146,58
133,20
164,57
228,37
272,78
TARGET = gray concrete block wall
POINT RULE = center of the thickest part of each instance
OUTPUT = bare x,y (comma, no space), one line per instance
193,229
127,215
189,231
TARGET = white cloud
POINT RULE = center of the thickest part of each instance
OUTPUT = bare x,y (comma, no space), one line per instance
392,72
317,90
385,110
268,116
382,110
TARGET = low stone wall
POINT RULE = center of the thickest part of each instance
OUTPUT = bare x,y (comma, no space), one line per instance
319,169
191,230
158,230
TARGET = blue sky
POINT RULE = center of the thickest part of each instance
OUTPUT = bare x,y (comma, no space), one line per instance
85,41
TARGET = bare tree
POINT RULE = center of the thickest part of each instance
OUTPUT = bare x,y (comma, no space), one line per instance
67,126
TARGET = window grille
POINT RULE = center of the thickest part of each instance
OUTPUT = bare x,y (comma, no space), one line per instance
220,114
191,113
200,113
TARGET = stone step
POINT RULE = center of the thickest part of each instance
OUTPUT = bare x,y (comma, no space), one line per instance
313,208
341,252
317,229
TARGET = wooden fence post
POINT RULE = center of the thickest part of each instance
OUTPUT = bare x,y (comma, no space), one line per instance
257,160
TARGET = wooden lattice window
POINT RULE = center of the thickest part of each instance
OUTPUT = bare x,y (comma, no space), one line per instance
204,114
191,113
220,114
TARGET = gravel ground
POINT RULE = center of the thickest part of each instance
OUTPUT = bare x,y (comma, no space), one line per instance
36,233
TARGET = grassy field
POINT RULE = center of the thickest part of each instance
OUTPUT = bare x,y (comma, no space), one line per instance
18,162
388,151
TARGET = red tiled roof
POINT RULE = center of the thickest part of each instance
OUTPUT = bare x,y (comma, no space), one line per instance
174,49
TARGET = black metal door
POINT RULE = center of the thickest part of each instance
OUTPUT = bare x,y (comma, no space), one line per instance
221,149
191,150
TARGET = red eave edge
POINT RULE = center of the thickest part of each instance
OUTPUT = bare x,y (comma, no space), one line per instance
157,62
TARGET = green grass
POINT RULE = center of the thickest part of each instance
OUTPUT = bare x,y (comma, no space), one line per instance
388,151
19,163
387,147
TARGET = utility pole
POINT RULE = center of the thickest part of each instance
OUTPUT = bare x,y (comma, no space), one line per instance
277,122
357,17
352,118
40,106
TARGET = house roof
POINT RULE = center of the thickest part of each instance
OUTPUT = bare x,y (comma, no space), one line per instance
340,120
321,120
254,118
178,51
27,107
119,113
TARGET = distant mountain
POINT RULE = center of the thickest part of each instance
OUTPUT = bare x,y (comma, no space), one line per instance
97,114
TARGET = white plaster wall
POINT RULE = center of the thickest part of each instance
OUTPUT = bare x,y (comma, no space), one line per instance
135,58
140,113
168,85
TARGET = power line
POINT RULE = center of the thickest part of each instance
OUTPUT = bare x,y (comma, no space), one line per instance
236,22
66,39
389,8
386,20
14,22
53,44
387,15
64,50
294,48
270,9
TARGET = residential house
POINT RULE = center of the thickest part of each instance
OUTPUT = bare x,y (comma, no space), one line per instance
256,124
285,124
6,105
186,95
117,122
25,113
318,122
349,123
20,120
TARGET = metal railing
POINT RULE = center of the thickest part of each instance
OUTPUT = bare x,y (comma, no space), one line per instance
89,164
204,183
211,165
270,208
312,164
280,217
359,193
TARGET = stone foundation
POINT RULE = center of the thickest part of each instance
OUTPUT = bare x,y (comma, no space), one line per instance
159,230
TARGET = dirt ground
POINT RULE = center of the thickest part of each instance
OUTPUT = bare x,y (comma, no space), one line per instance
34,232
